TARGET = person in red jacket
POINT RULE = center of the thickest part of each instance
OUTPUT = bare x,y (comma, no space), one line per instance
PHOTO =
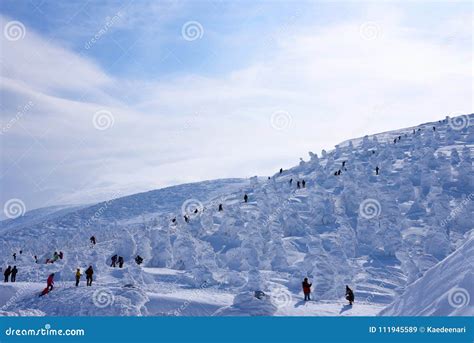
50,282
306,289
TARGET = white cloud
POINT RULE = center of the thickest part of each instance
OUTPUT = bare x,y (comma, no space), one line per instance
334,83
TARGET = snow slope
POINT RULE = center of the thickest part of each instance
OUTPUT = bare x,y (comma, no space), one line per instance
377,233
444,290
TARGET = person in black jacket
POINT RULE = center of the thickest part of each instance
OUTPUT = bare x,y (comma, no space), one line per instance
139,259
89,272
7,273
114,261
13,275
349,295
306,289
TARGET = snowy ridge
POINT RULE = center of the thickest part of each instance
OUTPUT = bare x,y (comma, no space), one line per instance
444,290
377,233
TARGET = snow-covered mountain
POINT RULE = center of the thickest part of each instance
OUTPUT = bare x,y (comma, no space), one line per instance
387,236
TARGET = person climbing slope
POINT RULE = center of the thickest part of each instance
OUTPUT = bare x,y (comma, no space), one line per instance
78,276
377,170
139,259
89,273
220,208
7,273
114,260
120,261
13,275
92,239
50,282
246,198
349,295
306,289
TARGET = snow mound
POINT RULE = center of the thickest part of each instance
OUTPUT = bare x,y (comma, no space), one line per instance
447,289
247,304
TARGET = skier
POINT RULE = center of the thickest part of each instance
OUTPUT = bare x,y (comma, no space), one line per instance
55,256
120,261
173,220
303,183
186,218
21,252
281,170
92,239
298,184
196,211
89,272
434,128
13,275
7,273
246,198
349,295
377,170
139,259
291,182
14,256
220,208
343,164
78,276
50,282
61,255
114,260
36,259
306,289
339,172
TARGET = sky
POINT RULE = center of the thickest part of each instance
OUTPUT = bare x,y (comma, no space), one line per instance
100,99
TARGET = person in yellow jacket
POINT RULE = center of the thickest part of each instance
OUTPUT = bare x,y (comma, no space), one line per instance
78,276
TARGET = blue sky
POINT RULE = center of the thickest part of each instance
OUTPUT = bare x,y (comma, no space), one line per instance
178,109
